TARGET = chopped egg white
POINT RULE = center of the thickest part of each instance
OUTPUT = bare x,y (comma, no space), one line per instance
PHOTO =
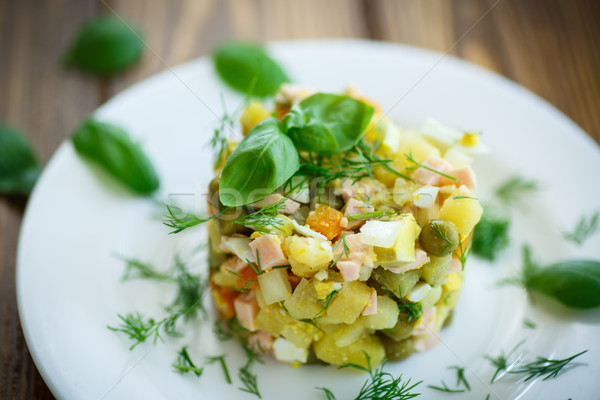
287,351
419,292
425,196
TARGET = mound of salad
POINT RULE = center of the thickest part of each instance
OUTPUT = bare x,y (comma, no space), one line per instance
334,233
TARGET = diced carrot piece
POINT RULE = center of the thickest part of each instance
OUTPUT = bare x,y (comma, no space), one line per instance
223,299
248,274
326,221
294,279
464,245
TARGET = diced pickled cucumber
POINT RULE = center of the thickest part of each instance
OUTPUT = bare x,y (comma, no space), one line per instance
386,317
328,351
302,334
435,270
402,329
399,284
301,304
397,351
273,319
347,305
431,297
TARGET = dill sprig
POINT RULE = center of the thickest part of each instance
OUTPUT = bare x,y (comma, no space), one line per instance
462,252
190,291
529,323
381,385
322,310
443,235
179,224
445,388
514,188
501,361
460,376
221,360
585,228
344,253
491,235
414,310
265,219
220,331
222,133
136,269
140,329
328,393
544,366
246,286
184,364
374,214
410,158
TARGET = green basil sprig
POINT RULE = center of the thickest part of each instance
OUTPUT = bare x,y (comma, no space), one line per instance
327,123
262,162
575,283
105,45
246,67
110,147
19,168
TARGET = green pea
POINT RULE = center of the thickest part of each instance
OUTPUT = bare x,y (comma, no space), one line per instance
439,238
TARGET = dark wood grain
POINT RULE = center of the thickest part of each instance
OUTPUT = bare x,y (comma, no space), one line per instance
551,47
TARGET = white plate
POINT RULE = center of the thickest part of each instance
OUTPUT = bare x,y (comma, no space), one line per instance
68,279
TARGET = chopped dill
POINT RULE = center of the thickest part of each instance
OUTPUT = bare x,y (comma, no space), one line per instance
501,361
183,364
248,281
179,224
344,253
265,219
460,376
327,303
220,331
445,388
139,329
544,367
585,228
511,191
527,323
374,214
443,235
462,253
221,360
414,310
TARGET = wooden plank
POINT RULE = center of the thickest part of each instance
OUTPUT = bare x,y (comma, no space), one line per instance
45,102
550,47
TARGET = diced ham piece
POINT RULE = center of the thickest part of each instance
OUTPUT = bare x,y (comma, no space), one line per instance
371,308
424,343
246,309
289,206
427,177
421,258
465,176
426,322
269,251
354,207
261,342
455,266
349,269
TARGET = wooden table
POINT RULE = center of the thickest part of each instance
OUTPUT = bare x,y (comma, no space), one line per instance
551,47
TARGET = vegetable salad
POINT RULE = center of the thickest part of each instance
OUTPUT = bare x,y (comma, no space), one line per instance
355,244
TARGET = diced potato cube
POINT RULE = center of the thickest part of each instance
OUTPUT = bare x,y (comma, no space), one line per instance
463,212
272,319
399,284
386,316
434,272
344,334
326,350
402,192
403,250
419,147
254,113
347,305
402,329
307,256
432,297
274,285
398,350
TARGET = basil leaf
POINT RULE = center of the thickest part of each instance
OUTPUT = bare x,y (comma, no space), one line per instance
105,45
19,168
327,122
247,68
575,283
110,147
262,162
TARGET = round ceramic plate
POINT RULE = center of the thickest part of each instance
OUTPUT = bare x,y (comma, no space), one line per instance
69,280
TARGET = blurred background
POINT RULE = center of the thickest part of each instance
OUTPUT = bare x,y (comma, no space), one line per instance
551,47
